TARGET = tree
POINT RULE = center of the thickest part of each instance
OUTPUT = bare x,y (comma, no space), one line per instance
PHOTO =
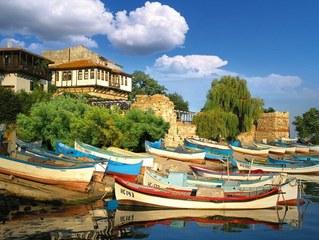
269,110
179,102
10,106
65,119
143,84
307,126
231,94
216,124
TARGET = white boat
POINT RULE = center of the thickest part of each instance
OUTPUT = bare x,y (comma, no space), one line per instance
302,148
272,149
182,181
256,152
314,148
183,155
102,153
136,194
289,188
72,177
279,168
208,173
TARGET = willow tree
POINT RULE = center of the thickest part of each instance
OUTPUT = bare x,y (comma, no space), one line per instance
230,94
216,124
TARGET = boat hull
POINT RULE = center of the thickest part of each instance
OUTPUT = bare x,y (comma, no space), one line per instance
253,152
189,157
279,168
74,178
133,194
208,146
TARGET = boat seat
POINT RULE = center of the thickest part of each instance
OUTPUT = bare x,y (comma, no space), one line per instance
231,186
210,192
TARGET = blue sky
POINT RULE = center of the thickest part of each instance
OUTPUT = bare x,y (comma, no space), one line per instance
273,44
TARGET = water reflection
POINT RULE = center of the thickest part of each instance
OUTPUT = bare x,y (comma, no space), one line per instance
27,220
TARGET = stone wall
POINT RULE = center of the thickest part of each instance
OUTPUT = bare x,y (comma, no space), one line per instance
272,126
163,107
77,53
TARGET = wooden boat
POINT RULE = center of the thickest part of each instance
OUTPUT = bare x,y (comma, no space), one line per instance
300,148
208,146
102,153
292,168
251,151
208,173
148,160
314,148
280,215
180,181
136,194
114,168
272,149
71,177
183,181
174,153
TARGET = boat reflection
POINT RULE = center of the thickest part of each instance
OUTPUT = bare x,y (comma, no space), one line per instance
41,221
223,219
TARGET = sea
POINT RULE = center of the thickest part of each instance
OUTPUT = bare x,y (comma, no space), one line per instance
23,219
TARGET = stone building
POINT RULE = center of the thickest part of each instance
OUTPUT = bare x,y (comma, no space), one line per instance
270,127
22,70
163,107
79,70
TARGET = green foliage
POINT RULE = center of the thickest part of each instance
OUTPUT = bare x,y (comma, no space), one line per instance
269,110
10,106
143,84
216,124
179,102
65,119
139,126
232,95
307,126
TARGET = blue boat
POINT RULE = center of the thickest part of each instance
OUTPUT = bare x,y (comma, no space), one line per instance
126,171
208,146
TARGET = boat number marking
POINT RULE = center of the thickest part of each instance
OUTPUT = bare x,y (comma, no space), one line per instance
127,193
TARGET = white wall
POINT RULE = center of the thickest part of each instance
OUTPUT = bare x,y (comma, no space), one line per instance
19,83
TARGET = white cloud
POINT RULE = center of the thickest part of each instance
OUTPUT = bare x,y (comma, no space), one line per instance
55,20
274,83
151,28
195,66
11,42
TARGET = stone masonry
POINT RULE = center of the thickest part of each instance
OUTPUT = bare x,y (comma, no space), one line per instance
272,126
163,107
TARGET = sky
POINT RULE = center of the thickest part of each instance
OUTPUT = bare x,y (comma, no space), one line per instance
185,45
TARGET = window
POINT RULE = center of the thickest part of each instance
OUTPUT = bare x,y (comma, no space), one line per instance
80,74
67,76
56,76
31,85
98,74
103,75
121,77
92,74
86,74
125,81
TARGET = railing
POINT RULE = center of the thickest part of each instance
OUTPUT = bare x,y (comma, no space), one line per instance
185,116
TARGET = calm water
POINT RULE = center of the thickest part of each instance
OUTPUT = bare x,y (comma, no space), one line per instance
25,220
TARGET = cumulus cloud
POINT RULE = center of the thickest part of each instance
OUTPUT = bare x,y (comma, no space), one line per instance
74,21
197,66
11,42
274,83
151,28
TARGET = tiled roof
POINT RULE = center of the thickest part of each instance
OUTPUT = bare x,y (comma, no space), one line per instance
77,65
80,64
